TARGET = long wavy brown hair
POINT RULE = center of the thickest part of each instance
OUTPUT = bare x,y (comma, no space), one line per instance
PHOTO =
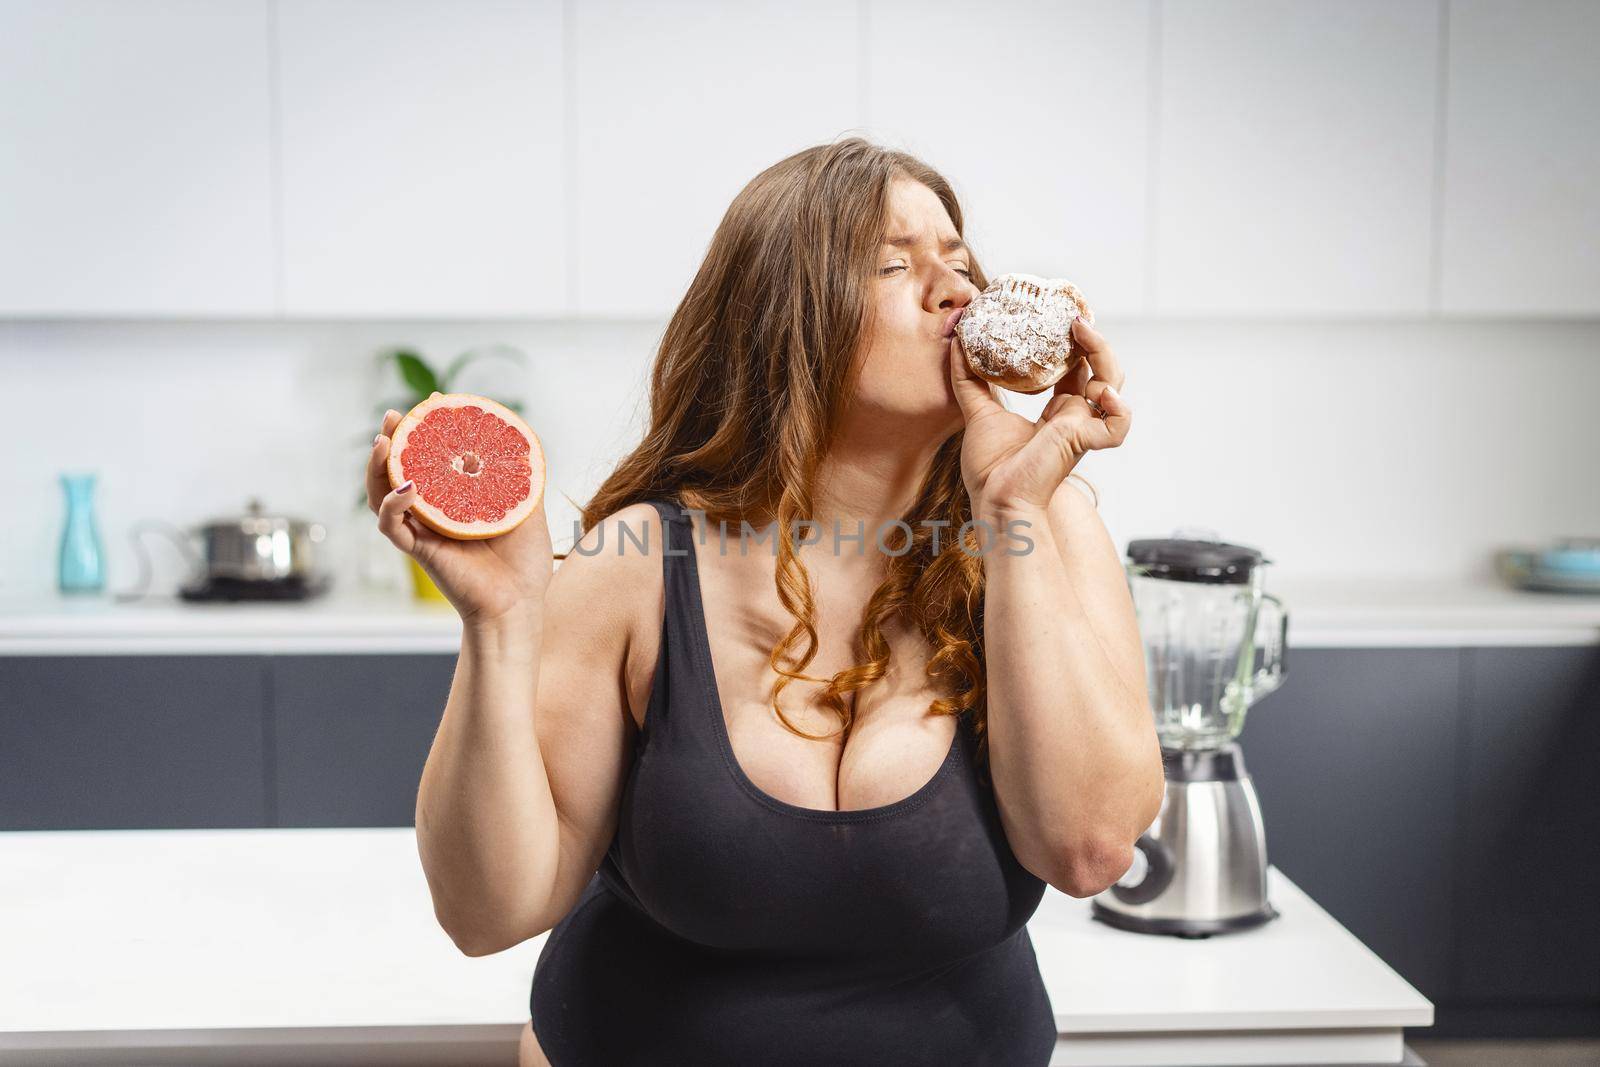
755,369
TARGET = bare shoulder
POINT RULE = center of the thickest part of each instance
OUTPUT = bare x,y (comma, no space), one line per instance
617,548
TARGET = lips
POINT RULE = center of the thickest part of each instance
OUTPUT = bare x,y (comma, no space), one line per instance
950,323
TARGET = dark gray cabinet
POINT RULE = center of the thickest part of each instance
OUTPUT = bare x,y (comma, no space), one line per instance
172,742
1444,805
1355,762
1529,877
130,742
350,735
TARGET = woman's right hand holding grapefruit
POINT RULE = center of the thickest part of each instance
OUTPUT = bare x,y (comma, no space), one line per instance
493,580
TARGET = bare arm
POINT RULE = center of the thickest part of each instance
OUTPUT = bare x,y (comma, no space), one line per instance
1073,750
519,794
486,824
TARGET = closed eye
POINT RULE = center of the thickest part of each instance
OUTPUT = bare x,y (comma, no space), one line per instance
883,272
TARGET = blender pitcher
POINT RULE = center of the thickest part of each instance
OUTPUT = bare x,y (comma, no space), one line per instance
1214,642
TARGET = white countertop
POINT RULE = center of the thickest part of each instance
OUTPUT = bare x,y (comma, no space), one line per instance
323,944
1379,612
1325,613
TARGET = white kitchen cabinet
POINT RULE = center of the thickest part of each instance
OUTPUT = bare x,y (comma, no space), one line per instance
1296,158
1520,223
423,158
678,107
135,176
1044,132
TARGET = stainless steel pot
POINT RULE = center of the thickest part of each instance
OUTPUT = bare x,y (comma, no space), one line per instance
259,547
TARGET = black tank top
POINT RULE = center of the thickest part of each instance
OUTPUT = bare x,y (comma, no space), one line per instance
726,926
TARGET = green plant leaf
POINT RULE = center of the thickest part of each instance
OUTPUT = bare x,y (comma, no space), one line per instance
417,374
472,355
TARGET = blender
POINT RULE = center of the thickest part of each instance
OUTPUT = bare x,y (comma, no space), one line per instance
1214,643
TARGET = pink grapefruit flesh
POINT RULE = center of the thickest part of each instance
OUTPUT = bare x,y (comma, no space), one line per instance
479,469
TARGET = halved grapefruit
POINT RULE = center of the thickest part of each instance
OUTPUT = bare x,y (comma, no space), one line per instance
479,470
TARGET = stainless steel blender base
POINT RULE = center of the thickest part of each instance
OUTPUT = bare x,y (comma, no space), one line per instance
1192,928
1201,867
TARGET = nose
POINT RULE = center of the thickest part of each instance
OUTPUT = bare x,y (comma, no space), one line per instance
954,291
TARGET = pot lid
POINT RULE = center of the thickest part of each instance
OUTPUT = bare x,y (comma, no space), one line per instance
257,520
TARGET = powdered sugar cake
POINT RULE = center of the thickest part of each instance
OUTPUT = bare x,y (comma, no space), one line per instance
1017,333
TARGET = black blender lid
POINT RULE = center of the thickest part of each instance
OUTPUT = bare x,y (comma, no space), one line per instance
1188,560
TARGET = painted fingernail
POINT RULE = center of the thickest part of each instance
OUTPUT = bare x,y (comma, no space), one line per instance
405,486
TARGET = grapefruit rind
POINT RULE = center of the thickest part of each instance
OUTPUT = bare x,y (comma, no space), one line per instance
431,515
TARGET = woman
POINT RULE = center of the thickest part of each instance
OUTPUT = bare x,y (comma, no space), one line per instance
842,875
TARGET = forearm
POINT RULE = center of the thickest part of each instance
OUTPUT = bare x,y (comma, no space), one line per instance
1072,747
487,830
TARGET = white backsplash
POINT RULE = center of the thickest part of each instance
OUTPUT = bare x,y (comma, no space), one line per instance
1340,448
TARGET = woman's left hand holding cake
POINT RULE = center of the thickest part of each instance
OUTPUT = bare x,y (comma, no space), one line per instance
1012,464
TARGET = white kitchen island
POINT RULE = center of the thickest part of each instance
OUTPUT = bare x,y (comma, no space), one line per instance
320,946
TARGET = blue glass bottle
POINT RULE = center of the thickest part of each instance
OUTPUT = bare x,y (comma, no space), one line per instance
82,568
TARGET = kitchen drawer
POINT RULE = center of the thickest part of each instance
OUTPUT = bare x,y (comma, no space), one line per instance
350,735
132,742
